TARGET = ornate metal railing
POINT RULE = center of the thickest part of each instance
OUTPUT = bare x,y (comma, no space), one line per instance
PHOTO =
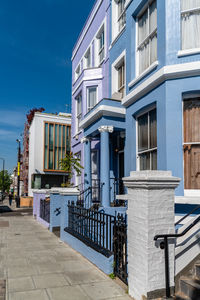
92,227
45,210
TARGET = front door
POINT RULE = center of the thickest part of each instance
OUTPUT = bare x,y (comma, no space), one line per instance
191,145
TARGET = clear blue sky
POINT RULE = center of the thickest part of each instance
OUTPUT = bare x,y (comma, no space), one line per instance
36,41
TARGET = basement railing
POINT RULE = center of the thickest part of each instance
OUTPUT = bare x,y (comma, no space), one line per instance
164,245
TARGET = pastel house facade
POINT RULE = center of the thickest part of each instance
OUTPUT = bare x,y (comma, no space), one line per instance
162,89
146,115
98,123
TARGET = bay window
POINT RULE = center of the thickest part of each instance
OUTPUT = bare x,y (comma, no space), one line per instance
190,23
147,36
147,141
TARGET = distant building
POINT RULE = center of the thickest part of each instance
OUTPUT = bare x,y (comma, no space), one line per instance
49,141
25,159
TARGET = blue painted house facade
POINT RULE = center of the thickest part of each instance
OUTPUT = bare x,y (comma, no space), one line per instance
147,117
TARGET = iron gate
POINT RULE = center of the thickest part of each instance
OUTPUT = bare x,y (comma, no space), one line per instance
120,247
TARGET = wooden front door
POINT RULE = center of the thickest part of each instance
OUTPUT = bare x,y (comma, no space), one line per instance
192,143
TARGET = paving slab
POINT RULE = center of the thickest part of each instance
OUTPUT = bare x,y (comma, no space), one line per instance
50,280
20,284
29,295
83,276
67,293
103,290
14,272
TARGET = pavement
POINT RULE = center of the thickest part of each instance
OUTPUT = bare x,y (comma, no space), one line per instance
37,265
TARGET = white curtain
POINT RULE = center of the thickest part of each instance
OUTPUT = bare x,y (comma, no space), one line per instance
153,17
92,97
144,58
191,30
143,27
190,24
153,49
189,4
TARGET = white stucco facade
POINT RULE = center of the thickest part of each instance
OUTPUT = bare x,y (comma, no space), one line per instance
36,142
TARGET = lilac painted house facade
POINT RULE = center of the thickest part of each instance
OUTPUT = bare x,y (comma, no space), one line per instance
90,69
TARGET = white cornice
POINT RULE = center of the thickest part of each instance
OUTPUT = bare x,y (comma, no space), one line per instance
103,110
86,78
166,73
86,27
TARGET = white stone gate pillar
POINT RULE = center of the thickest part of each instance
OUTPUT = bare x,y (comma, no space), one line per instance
150,212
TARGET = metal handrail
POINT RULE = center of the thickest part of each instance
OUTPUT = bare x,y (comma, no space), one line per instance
184,217
164,245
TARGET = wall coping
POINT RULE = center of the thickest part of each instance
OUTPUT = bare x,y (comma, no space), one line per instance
151,180
42,191
65,191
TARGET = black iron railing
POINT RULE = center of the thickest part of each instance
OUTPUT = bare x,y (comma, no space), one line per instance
45,210
164,245
92,227
118,188
90,195
120,248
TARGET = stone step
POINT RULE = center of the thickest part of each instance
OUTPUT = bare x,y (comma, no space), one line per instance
190,288
181,296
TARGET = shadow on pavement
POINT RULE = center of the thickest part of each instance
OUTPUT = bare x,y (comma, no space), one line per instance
5,209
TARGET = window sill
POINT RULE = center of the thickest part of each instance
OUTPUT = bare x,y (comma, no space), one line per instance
188,52
143,74
117,36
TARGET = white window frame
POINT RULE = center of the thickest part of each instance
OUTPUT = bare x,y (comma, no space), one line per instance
87,54
99,50
78,116
122,15
149,150
87,93
115,66
116,29
150,36
78,71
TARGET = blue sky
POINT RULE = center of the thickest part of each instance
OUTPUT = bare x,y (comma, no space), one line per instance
36,41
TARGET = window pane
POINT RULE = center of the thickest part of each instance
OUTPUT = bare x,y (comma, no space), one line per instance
64,142
153,17
143,132
46,147
51,139
94,162
144,57
92,97
189,4
153,49
153,128
190,30
60,143
143,27
145,161
154,160
56,148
